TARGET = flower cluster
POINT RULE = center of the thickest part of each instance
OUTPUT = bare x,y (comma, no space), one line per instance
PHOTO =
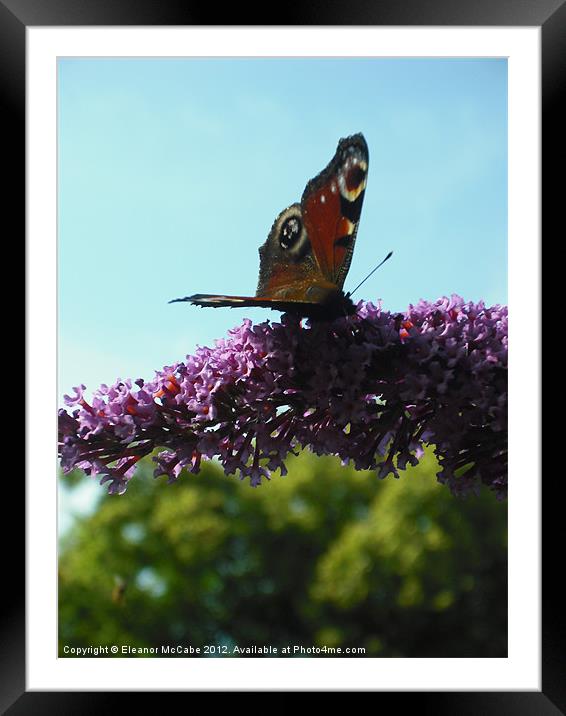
372,388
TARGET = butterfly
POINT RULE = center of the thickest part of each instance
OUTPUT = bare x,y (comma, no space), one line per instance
307,254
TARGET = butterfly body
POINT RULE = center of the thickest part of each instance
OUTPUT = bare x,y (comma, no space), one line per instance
307,254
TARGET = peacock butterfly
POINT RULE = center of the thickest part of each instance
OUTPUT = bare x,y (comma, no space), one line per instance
308,251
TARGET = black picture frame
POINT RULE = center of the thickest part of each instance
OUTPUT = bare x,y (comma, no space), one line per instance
15,17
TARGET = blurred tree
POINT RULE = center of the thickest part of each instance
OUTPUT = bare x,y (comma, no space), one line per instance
325,556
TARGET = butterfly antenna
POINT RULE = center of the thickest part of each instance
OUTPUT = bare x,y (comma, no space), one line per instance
389,255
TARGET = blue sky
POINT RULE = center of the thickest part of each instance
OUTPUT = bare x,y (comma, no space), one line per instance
172,171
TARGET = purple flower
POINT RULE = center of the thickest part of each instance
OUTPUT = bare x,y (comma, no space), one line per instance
373,388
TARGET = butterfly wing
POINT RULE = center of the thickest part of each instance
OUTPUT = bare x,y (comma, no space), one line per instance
308,251
332,205
309,248
289,305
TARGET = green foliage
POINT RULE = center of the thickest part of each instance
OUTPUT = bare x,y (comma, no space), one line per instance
325,556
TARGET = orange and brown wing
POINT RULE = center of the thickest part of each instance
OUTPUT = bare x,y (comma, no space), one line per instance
307,254
331,208
309,249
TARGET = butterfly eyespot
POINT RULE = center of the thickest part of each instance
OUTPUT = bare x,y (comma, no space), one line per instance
290,232
355,177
